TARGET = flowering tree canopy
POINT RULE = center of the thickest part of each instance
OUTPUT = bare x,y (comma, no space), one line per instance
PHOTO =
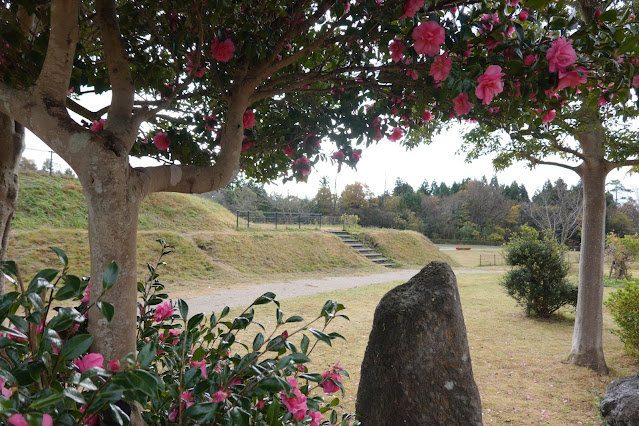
210,86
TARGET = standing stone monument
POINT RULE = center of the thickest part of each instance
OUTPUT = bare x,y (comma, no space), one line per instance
416,369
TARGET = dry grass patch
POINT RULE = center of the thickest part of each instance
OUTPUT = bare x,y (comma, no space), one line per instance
518,362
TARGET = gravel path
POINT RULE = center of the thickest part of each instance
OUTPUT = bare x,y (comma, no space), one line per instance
216,300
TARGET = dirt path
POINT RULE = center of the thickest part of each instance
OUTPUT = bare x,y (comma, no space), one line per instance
216,300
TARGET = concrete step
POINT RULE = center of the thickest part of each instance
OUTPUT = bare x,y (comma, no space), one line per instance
372,254
388,265
364,250
381,259
334,231
355,245
350,240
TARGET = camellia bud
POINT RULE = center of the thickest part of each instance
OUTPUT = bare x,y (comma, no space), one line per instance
523,16
114,365
285,335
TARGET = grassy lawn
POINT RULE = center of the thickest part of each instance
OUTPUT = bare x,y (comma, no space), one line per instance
518,362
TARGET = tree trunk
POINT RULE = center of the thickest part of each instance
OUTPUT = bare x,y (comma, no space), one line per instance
113,198
11,147
587,344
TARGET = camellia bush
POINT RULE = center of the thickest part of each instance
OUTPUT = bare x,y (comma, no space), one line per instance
538,281
188,370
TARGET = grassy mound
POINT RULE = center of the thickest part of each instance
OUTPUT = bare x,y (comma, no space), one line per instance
406,248
57,202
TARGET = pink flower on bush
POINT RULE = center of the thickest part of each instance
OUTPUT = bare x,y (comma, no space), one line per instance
190,67
202,365
529,60
316,417
169,335
635,80
397,134
428,36
163,311
89,361
396,49
248,120
441,67
87,294
47,420
461,104
560,55
356,155
222,50
490,84
98,125
330,382
161,141
427,116
296,402
289,151
549,116
523,16
338,155
572,78
17,420
411,7
246,146
4,391
220,396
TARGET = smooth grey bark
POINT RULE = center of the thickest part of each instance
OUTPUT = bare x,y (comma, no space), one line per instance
587,340
11,147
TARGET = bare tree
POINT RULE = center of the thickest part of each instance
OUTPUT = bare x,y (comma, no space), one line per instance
556,208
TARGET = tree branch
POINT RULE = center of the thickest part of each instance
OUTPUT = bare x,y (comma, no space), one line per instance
85,112
123,90
536,161
55,75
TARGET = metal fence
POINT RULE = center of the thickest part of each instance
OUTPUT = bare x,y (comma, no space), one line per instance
498,259
298,220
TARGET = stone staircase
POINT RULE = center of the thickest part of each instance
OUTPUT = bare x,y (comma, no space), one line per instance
362,249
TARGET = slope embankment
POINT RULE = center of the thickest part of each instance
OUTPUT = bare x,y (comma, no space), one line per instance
210,254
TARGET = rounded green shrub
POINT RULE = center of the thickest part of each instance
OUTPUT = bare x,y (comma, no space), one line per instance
538,281
624,306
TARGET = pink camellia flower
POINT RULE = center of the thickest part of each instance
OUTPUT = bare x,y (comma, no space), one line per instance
289,151
17,420
529,60
87,294
163,311
601,101
411,7
428,36
5,392
357,154
316,417
572,78
549,116
98,125
635,81
597,13
169,335
47,420
89,361
490,84
260,404
248,120
161,141
330,382
220,396
190,67
202,365
560,55
441,67
338,155
427,115
173,415
523,16
396,49
222,51
296,402
246,146
412,74
461,104
397,134
114,365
